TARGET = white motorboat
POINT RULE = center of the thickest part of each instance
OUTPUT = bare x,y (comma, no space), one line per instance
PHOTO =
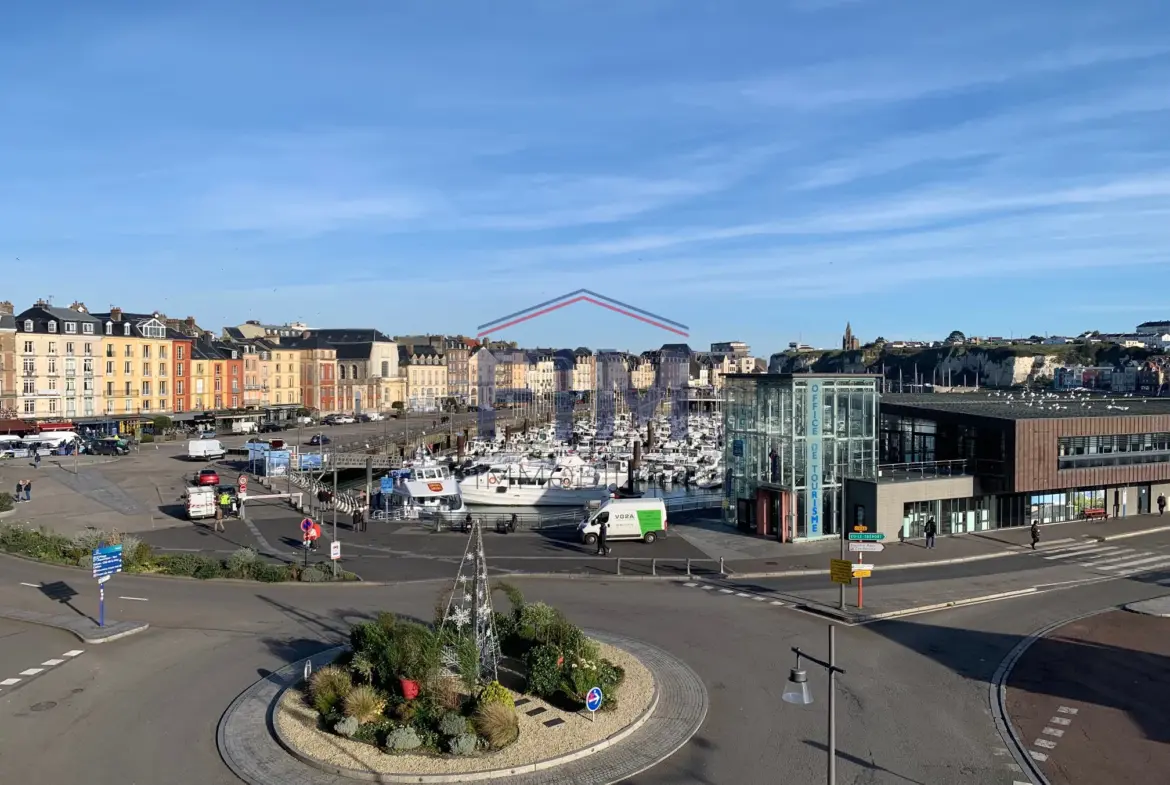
425,488
570,482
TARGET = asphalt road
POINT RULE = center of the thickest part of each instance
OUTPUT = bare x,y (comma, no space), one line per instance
29,652
912,703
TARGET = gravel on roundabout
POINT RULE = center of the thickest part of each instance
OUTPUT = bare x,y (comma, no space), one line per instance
249,744
297,726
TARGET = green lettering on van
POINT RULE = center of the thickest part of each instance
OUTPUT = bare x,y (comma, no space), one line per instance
649,521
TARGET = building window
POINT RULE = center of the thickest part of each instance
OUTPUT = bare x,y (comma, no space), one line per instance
235,402
87,386
162,369
52,347
162,388
28,347
127,389
69,347
1081,452
109,331
71,327
30,387
179,355
342,370
70,366
127,405
146,369
52,365
278,397
179,369
126,328
87,365
28,328
89,350
162,352
146,351
219,385
109,350
52,406
87,328
52,327
30,406
127,351
126,369
109,367
109,389
154,331
219,369
146,388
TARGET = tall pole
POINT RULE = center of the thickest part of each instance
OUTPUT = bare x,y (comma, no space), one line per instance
841,586
334,510
833,703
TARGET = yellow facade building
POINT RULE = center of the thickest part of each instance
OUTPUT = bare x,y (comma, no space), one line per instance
136,359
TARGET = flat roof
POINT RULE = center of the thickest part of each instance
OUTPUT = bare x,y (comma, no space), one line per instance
1018,405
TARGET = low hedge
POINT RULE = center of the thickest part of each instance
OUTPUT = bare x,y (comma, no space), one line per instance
6,502
139,557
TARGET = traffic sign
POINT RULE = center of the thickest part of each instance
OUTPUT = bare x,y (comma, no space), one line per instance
107,560
862,573
867,536
840,571
866,547
335,550
307,525
243,482
593,699
860,528
862,567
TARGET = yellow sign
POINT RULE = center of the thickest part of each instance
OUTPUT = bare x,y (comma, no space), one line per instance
840,571
862,573
860,528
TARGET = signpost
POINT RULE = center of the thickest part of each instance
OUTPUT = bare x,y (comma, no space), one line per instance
868,547
335,550
593,702
107,560
243,483
841,571
866,536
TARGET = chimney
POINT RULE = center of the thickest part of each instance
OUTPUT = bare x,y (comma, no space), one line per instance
115,314
6,308
79,307
41,303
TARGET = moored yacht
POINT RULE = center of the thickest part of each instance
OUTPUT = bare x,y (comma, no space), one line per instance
569,482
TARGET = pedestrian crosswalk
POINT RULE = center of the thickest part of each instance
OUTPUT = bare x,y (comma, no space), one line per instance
1115,560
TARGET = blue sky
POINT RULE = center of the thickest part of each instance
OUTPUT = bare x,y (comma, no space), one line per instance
761,171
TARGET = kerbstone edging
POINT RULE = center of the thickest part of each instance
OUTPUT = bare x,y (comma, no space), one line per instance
1158,606
249,745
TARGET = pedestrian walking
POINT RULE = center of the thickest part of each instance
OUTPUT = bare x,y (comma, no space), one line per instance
36,458
28,490
602,533
1035,533
362,518
357,518
1161,504
930,531
219,527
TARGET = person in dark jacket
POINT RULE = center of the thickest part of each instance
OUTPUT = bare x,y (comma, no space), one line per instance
602,533
931,530
1161,504
1035,533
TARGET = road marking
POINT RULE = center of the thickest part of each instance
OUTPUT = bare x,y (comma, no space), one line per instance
31,671
73,652
1136,562
741,594
1093,549
725,591
1067,710
9,682
139,599
758,599
1045,743
690,585
51,663
1048,546
1114,557
1053,732
1147,568
1060,721
708,588
33,585
775,602
1040,756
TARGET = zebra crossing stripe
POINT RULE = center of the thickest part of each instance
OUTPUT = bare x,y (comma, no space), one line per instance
1113,557
1092,550
1137,562
1067,549
1146,568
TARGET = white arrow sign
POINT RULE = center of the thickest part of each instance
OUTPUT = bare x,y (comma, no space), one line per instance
859,567
866,546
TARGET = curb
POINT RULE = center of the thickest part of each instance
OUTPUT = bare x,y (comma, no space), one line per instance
997,695
1156,606
885,567
77,625
1127,535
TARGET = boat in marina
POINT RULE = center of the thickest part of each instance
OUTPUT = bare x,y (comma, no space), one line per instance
567,482
424,488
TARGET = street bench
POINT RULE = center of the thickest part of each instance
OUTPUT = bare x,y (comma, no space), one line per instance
1089,513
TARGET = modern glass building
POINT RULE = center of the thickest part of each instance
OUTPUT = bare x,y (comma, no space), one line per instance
790,443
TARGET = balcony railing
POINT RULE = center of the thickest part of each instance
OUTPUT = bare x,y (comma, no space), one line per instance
927,470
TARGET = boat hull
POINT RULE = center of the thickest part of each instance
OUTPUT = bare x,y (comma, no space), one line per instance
520,496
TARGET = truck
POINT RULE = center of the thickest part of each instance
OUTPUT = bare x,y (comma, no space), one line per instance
201,501
205,449
626,519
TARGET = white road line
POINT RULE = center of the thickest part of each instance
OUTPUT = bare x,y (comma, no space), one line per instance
73,652
708,588
1136,562
34,585
1092,549
688,585
1048,546
1067,710
1045,743
1147,567
1059,721
725,591
1114,558
775,602
138,599
9,682
51,663
741,594
1057,732
758,599
31,671
1040,756
1072,548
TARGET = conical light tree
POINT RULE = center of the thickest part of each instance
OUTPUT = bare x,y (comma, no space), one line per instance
469,609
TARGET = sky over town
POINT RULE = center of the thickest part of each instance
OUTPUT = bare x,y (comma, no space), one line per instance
757,170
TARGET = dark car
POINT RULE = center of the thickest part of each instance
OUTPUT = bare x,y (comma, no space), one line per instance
319,439
271,427
107,447
207,477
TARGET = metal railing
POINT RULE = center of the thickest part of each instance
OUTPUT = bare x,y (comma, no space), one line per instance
921,470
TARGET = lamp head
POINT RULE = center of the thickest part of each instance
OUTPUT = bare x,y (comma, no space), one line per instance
796,691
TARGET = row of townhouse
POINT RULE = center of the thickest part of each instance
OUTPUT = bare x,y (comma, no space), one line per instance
1143,377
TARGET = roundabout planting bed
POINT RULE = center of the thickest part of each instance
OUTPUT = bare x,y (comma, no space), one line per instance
407,700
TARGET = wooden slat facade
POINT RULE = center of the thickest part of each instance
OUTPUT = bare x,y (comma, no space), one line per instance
1035,452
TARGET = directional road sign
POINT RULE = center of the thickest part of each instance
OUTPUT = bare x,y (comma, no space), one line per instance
862,573
867,547
593,699
840,571
866,536
107,560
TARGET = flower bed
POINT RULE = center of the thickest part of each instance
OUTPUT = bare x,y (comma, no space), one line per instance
139,557
389,705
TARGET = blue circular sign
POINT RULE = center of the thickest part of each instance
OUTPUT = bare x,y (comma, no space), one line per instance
593,699
306,524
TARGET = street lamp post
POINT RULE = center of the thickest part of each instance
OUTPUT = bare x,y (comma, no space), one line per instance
797,692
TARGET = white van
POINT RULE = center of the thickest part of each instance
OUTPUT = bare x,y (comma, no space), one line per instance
244,426
626,519
51,440
200,501
205,449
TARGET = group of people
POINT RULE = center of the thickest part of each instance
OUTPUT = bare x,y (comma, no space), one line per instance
23,491
225,504
931,528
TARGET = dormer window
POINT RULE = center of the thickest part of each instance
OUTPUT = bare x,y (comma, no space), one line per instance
109,328
28,326
52,327
126,328
71,327
87,328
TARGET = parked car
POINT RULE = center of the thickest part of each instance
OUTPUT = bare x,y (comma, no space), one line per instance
271,427
344,419
107,447
207,477
319,439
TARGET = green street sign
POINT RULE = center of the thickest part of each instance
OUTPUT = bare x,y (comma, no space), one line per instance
866,536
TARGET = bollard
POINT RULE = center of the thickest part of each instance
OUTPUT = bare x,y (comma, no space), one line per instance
688,568
722,572
654,567
619,566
